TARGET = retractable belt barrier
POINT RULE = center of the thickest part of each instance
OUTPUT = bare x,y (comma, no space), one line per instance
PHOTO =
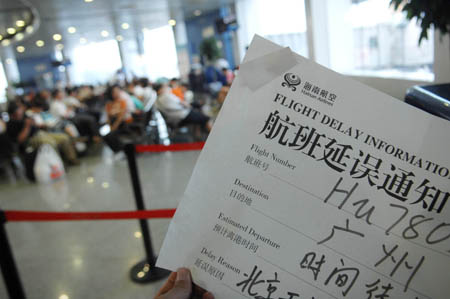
177,147
143,272
16,216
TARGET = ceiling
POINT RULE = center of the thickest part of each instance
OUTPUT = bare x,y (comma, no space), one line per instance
90,18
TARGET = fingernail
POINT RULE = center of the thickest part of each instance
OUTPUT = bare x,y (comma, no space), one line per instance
182,274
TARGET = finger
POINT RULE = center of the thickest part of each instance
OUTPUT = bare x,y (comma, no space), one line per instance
198,290
168,285
208,295
183,285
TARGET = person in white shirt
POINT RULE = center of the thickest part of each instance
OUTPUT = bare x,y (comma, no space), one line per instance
58,108
177,112
85,123
145,93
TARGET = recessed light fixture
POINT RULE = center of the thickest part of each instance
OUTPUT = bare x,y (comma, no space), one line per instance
197,12
172,22
87,1
6,42
83,40
104,33
11,30
125,26
59,47
40,43
20,23
71,30
119,38
20,49
64,296
1,37
19,36
29,29
57,36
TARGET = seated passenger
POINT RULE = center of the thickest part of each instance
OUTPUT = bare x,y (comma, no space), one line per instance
177,88
137,102
145,93
23,130
85,123
117,108
178,113
118,117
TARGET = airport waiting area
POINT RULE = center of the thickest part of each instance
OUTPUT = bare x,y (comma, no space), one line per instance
176,149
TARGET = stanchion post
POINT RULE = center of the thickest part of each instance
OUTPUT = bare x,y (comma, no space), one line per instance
7,264
144,271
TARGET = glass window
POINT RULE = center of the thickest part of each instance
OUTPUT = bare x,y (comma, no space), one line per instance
281,21
95,62
368,37
160,53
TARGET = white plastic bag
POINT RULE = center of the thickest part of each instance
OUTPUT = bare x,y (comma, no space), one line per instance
48,165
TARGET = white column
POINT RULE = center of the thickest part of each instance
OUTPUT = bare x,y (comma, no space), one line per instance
181,42
10,65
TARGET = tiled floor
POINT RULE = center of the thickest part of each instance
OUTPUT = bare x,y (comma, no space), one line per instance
91,259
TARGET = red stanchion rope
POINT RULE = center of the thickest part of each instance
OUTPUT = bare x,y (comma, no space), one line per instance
76,216
177,147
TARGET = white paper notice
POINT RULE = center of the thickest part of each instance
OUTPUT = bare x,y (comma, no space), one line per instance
312,185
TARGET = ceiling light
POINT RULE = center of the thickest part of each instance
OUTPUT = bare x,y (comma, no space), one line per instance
5,42
197,12
1,37
11,30
20,23
57,37
88,1
83,40
20,49
9,61
40,43
119,38
104,33
71,29
125,26
172,22
19,36
29,29
64,296
59,47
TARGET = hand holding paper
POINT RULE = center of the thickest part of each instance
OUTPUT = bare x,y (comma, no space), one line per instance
179,286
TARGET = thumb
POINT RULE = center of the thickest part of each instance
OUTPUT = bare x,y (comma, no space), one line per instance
182,288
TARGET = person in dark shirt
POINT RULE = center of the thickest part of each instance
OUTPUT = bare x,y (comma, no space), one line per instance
22,130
